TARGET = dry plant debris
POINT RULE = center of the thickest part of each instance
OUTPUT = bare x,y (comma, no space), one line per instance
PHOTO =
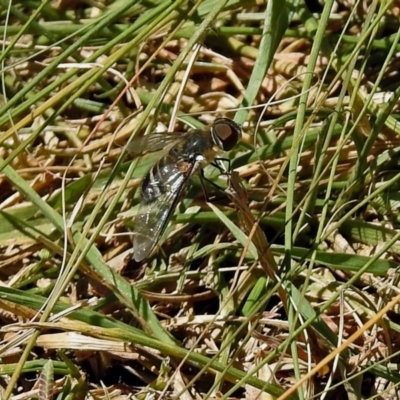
245,295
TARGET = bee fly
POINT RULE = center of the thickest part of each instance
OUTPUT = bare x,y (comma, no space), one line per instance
183,154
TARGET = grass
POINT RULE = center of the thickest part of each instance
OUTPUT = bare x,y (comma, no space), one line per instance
284,288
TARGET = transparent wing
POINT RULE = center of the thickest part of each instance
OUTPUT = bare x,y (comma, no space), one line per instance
160,194
155,142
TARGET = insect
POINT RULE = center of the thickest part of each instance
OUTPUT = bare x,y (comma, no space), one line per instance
182,154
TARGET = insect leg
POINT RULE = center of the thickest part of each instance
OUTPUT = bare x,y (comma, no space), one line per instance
218,166
219,188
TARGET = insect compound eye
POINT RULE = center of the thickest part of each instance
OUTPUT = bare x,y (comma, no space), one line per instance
225,133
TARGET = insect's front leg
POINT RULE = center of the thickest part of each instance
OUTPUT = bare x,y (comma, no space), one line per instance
217,187
221,169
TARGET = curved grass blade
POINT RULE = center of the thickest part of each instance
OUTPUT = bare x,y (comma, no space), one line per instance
46,381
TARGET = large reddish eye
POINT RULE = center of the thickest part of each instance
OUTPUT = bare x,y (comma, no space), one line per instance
225,133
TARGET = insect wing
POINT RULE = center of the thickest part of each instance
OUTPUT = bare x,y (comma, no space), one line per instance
160,194
155,142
